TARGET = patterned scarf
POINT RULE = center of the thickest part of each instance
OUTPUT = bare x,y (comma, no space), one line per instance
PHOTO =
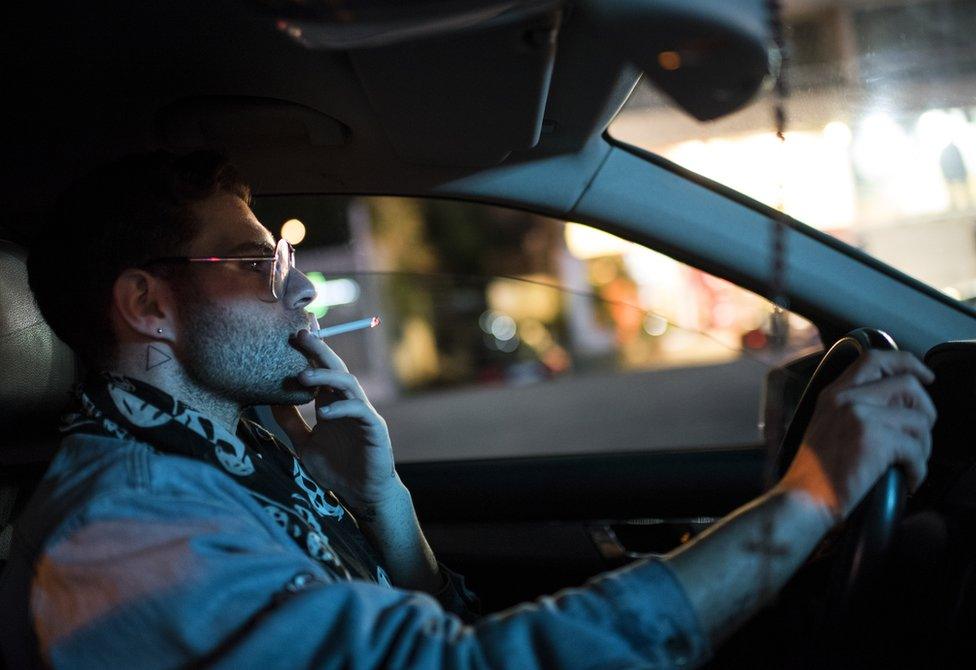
117,406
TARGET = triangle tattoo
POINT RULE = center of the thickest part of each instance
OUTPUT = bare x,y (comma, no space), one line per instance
156,356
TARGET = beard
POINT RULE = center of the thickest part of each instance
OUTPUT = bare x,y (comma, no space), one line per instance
243,355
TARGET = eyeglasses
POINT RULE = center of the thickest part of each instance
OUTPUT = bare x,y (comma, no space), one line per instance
275,268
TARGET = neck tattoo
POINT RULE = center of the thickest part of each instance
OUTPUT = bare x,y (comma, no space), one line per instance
156,357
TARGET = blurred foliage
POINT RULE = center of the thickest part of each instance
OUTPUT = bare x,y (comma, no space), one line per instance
472,242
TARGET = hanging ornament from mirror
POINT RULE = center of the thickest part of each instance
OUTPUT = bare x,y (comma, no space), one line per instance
779,320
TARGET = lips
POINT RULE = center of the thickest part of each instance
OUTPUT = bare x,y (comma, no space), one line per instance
309,322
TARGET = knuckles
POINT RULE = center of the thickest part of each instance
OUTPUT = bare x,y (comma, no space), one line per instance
859,413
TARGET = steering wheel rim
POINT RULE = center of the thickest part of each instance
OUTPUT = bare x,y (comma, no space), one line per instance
868,533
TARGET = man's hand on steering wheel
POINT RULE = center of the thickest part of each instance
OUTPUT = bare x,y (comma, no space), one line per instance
875,415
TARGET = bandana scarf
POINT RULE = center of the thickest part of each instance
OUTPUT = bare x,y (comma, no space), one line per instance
117,406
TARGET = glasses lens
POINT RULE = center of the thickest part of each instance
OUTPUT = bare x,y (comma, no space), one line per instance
283,261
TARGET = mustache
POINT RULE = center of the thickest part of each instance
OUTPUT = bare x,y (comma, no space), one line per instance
300,320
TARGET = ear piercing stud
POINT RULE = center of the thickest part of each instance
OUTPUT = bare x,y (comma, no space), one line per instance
159,330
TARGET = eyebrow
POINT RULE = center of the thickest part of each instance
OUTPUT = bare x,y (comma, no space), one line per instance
252,245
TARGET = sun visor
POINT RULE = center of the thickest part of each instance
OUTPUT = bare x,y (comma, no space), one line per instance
468,99
364,24
466,82
452,83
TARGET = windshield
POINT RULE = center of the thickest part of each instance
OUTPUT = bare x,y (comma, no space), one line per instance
880,146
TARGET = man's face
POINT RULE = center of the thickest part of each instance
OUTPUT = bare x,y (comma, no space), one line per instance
233,340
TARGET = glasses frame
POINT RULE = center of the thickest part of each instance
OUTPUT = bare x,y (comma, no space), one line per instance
282,249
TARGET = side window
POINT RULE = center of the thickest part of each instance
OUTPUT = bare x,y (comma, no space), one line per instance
508,334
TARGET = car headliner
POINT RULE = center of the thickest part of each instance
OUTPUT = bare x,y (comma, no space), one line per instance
91,83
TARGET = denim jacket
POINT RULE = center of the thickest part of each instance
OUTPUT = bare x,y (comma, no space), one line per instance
127,557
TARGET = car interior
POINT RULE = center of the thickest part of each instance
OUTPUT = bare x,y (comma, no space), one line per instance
507,103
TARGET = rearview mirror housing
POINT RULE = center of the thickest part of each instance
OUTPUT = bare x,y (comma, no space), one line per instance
710,57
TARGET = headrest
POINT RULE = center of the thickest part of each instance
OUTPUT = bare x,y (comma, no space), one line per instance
37,369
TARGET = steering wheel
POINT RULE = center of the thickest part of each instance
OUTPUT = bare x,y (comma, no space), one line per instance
866,537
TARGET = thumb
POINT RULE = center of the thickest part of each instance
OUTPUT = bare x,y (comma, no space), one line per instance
291,421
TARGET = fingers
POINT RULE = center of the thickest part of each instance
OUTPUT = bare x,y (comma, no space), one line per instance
340,381
913,423
291,421
319,351
906,433
874,365
912,455
342,409
902,390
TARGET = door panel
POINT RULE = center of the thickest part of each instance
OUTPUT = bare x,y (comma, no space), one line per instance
525,527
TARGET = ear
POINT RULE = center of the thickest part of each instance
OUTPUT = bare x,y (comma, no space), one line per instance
146,304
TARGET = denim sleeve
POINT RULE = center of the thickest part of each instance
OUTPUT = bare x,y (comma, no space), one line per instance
155,582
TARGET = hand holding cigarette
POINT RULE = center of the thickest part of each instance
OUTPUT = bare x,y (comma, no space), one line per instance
348,447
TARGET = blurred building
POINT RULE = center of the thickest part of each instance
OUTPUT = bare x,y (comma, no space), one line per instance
881,142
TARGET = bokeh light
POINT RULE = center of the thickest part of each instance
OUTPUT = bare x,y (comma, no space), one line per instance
293,230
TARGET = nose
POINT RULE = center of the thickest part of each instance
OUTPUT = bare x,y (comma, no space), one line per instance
299,291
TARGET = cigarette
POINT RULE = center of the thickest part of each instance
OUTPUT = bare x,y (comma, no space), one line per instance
370,322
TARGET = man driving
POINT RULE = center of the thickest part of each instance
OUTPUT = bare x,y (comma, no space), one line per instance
170,530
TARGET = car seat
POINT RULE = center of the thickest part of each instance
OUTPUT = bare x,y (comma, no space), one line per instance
37,371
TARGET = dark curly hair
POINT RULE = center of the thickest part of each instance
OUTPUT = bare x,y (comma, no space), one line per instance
117,217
